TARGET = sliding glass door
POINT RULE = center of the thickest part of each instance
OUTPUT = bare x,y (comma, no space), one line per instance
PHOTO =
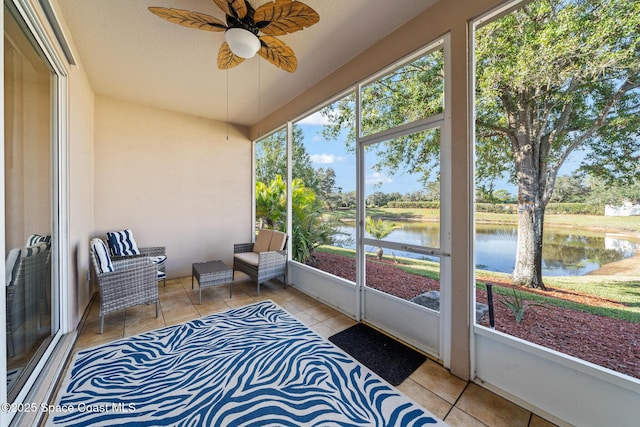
31,209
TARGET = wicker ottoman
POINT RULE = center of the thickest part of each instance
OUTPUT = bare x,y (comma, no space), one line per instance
209,274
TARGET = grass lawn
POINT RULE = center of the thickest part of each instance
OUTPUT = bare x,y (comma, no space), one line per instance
619,223
620,294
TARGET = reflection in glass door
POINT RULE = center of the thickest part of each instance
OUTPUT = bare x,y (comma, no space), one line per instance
29,189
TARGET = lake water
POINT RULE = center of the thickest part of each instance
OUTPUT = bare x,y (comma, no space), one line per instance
566,252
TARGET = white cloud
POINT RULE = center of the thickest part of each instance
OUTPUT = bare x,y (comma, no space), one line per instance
377,178
314,119
324,158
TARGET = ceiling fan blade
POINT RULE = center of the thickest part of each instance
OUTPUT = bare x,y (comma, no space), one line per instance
283,17
189,19
237,8
278,53
226,58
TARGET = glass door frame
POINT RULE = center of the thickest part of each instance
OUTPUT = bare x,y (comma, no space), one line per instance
442,121
31,18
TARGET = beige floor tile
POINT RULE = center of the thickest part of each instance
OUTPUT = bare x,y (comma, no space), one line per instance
175,300
239,301
323,330
290,307
425,398
304,303
458,418
164,292
208,295
491,409
261,297
92,321
339,323
179,315
266,287
322,312
537,421
95,308
171,284
91,338
306,319
141,312
244,286
210,307
170,293
138,326
439,380
278,299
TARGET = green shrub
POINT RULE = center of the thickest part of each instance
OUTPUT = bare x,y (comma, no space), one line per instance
517,304
497,207
413,205
552,208
575,209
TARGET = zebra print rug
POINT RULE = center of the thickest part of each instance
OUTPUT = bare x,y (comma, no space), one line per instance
251,366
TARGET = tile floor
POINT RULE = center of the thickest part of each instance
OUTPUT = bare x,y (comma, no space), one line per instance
455,401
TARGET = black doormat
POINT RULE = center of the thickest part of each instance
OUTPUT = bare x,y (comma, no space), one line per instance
385,356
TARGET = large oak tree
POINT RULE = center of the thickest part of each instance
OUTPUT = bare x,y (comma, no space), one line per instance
552,78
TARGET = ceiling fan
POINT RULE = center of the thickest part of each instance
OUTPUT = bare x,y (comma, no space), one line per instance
249,30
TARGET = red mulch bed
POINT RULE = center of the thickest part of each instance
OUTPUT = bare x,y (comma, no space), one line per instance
604,341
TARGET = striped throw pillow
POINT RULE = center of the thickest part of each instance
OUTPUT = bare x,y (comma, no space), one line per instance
36,249
122,243
102,255
158,260
34,239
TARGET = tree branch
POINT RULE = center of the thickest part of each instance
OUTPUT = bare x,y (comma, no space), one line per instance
597,124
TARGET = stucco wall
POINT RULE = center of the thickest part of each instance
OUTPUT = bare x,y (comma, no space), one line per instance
172,178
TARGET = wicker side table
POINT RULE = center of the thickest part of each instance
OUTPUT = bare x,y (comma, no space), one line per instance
209,274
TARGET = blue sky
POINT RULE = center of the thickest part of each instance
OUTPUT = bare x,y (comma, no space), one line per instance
333,154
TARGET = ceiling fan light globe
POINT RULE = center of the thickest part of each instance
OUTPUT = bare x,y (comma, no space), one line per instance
242,43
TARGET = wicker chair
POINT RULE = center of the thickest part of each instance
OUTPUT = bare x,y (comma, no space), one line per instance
122,245
132,280
263,260
30,276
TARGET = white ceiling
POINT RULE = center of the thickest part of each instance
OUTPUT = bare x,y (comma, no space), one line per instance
131,54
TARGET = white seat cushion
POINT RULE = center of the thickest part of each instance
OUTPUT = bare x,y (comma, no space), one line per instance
248,257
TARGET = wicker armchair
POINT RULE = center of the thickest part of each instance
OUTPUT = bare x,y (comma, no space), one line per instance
30,276
124,282
263,260
122,245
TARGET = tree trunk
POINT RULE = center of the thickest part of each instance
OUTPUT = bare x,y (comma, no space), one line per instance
379,253
528,268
